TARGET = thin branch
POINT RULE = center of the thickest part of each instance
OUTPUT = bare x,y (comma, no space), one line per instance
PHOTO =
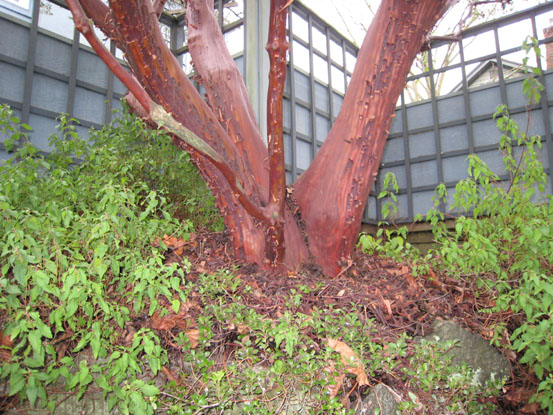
277,47
100,15
83,25
158,7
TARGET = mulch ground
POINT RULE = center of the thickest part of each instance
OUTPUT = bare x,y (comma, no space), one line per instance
371,286
374,288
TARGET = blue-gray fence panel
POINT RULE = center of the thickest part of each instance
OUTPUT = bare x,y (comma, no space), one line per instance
49,84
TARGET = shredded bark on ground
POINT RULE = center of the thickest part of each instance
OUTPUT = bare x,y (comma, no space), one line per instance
375,288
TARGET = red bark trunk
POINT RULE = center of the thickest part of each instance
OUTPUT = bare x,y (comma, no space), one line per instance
333,192
246,178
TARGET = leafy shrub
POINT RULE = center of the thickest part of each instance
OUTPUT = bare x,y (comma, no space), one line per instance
506,246
77,264
390,240
131,152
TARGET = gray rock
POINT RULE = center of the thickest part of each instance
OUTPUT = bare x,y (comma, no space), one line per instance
473,350
380,398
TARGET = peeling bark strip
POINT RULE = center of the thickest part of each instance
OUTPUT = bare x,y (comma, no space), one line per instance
167,122
222,137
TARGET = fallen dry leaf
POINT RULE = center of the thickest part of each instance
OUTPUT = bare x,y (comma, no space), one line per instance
243,328
193,337
530,408
388,305
341,293
334,389
5,340
519,395
350,360
180,320
170,375
434,281
410,280
176,244
399,271
5,343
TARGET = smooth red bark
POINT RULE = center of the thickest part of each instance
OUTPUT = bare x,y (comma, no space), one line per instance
246,177
277,47
333,192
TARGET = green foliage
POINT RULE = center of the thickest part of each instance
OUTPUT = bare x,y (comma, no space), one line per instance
389,240
506,246
77,262
391,187
131,152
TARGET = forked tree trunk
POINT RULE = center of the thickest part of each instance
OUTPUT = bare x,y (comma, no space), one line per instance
246,177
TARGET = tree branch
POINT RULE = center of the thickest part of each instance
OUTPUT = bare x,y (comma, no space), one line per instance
83,25
100,15
225,88
158,114
277,47
332,204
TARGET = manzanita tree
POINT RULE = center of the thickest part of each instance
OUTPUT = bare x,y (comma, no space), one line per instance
317,219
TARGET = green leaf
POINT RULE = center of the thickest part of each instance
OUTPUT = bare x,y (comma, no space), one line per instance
95,345
538,368
32,390
149,390
100,250
20,273
100,267
112,401
13,289
37,361
17,382
84,373
155,364
42,279
35,339
45,330
175,305
139,406
71,307
83,342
